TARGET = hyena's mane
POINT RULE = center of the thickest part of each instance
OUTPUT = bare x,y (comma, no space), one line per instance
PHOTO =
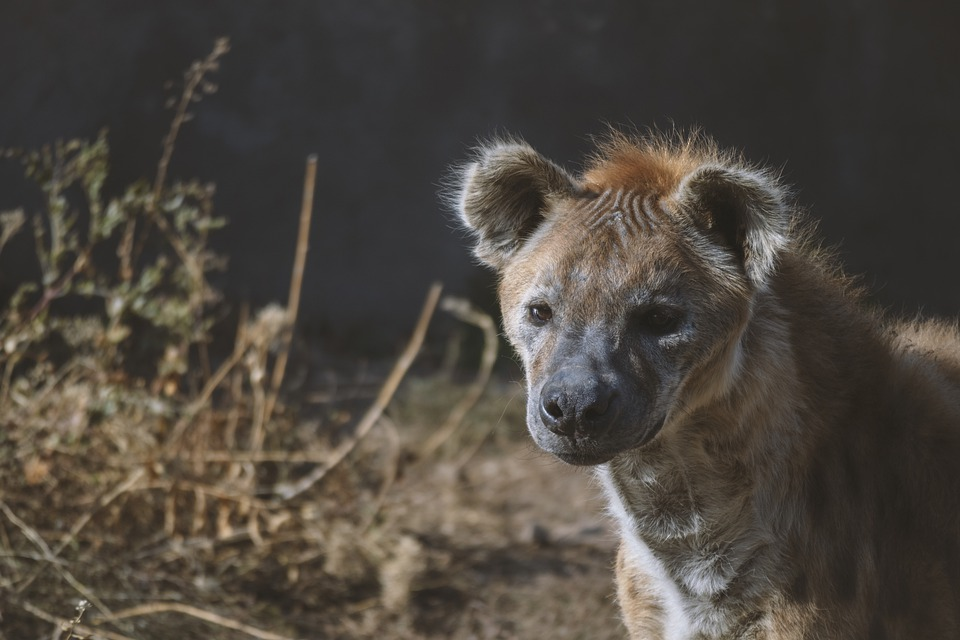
653,162
656,162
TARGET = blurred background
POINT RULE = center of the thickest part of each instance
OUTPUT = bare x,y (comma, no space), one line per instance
856,101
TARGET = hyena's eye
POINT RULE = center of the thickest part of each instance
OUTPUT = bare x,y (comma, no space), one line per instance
539,314
658,321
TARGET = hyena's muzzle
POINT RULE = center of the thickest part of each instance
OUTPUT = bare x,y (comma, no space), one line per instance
577,402
585,410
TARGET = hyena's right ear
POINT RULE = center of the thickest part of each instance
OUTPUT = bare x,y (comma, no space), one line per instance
503,195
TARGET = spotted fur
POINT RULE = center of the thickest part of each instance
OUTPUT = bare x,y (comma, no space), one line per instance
782,461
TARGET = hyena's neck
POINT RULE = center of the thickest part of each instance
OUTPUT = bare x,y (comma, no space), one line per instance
700,507
730,428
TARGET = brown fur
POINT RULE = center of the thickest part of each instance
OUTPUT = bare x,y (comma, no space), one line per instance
782,461
649,165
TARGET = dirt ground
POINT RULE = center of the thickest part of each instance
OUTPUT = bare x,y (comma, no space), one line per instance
496,539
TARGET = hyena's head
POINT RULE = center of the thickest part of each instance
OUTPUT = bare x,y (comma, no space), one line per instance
625,291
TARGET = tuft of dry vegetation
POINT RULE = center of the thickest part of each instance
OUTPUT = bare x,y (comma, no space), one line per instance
154,489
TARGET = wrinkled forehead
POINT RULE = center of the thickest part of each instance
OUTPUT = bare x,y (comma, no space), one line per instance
618,220
620,243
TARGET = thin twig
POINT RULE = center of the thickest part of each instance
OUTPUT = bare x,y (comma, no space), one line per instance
236,385
123,487
257,433
57,289
80,628
48,556
151,608
466,312
296,283
191,411
10,224
295,457
390,471
217,491
285,491
71,627
193,79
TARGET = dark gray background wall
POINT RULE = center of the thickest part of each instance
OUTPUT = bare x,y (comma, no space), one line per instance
857,100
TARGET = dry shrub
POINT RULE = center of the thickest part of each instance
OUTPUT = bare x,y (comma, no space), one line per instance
169,491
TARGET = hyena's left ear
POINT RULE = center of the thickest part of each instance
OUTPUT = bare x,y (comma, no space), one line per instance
745,208
503,195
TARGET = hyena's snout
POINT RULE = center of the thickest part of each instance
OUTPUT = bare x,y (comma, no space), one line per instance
586,415
577,403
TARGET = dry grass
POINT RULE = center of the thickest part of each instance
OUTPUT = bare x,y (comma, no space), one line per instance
484,539
151,494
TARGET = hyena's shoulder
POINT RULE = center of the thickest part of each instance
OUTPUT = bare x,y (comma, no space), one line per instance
927,360
936,340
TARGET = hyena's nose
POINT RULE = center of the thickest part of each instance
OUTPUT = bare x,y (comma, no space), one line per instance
573,402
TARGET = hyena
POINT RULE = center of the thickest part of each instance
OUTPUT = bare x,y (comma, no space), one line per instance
782,460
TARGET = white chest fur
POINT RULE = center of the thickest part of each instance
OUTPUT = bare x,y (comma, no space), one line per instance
677,624
685,584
